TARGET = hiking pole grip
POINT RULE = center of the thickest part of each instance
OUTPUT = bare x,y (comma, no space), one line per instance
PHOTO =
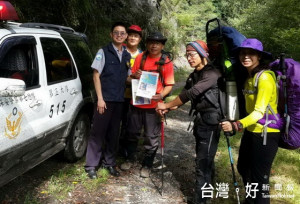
228,133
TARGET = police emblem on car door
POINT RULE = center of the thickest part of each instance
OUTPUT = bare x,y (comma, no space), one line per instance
21,113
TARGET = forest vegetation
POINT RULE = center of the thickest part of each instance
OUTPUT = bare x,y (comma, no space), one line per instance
276,23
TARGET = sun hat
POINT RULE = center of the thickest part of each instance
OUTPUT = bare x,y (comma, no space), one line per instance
198,46
156,36
253,43
135,29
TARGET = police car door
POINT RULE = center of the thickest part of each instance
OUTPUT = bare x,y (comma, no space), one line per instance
22,118
63,84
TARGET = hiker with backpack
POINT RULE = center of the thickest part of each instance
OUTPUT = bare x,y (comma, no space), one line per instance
259,143
144,116
202,90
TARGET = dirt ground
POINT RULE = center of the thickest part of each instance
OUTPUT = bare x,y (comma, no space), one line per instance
178,173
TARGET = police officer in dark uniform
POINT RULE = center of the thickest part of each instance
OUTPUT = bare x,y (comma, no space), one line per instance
202,90
110,72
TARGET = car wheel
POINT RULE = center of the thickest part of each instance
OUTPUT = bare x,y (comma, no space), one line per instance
77,140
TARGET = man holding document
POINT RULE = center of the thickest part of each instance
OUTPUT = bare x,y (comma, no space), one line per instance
152,79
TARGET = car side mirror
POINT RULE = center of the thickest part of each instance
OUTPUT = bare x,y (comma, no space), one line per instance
12,87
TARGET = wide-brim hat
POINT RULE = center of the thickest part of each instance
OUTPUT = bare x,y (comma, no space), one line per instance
135,29
156,36
253,43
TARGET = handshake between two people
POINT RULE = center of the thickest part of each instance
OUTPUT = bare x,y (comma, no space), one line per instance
229,127
162,109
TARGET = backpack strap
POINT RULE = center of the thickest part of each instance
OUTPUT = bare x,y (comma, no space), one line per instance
264,132
269,108
251,92
160,63
209,95
143,60
219,103
257,77
265,126
222,101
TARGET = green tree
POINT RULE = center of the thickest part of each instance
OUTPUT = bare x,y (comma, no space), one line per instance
92,17
184,21
275,23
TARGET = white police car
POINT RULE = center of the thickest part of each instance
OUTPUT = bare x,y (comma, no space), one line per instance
46,95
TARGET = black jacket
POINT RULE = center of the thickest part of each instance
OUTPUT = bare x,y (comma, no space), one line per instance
202,89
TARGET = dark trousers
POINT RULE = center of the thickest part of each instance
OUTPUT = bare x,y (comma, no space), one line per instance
207,140
255,162
123,132
104,138
148,119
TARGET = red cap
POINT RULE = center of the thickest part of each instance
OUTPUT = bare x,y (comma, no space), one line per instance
135,29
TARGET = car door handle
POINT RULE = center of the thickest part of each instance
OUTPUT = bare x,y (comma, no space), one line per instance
35,103
74,91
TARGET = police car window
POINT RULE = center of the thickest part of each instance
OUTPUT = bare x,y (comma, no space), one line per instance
20,62
81,53
59,64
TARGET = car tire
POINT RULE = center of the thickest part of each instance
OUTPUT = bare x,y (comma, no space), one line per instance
78,138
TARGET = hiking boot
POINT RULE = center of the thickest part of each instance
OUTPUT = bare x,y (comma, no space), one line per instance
126,165
145,172
91,173
112,171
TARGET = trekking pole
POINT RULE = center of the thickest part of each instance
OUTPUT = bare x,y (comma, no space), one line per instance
163,118
227,134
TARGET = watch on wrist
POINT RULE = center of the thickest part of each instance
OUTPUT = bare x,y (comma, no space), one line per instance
239,125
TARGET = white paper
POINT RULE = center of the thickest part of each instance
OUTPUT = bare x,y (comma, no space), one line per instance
137,100
147,84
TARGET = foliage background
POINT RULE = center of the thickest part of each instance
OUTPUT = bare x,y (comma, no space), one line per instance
92,17
276,23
